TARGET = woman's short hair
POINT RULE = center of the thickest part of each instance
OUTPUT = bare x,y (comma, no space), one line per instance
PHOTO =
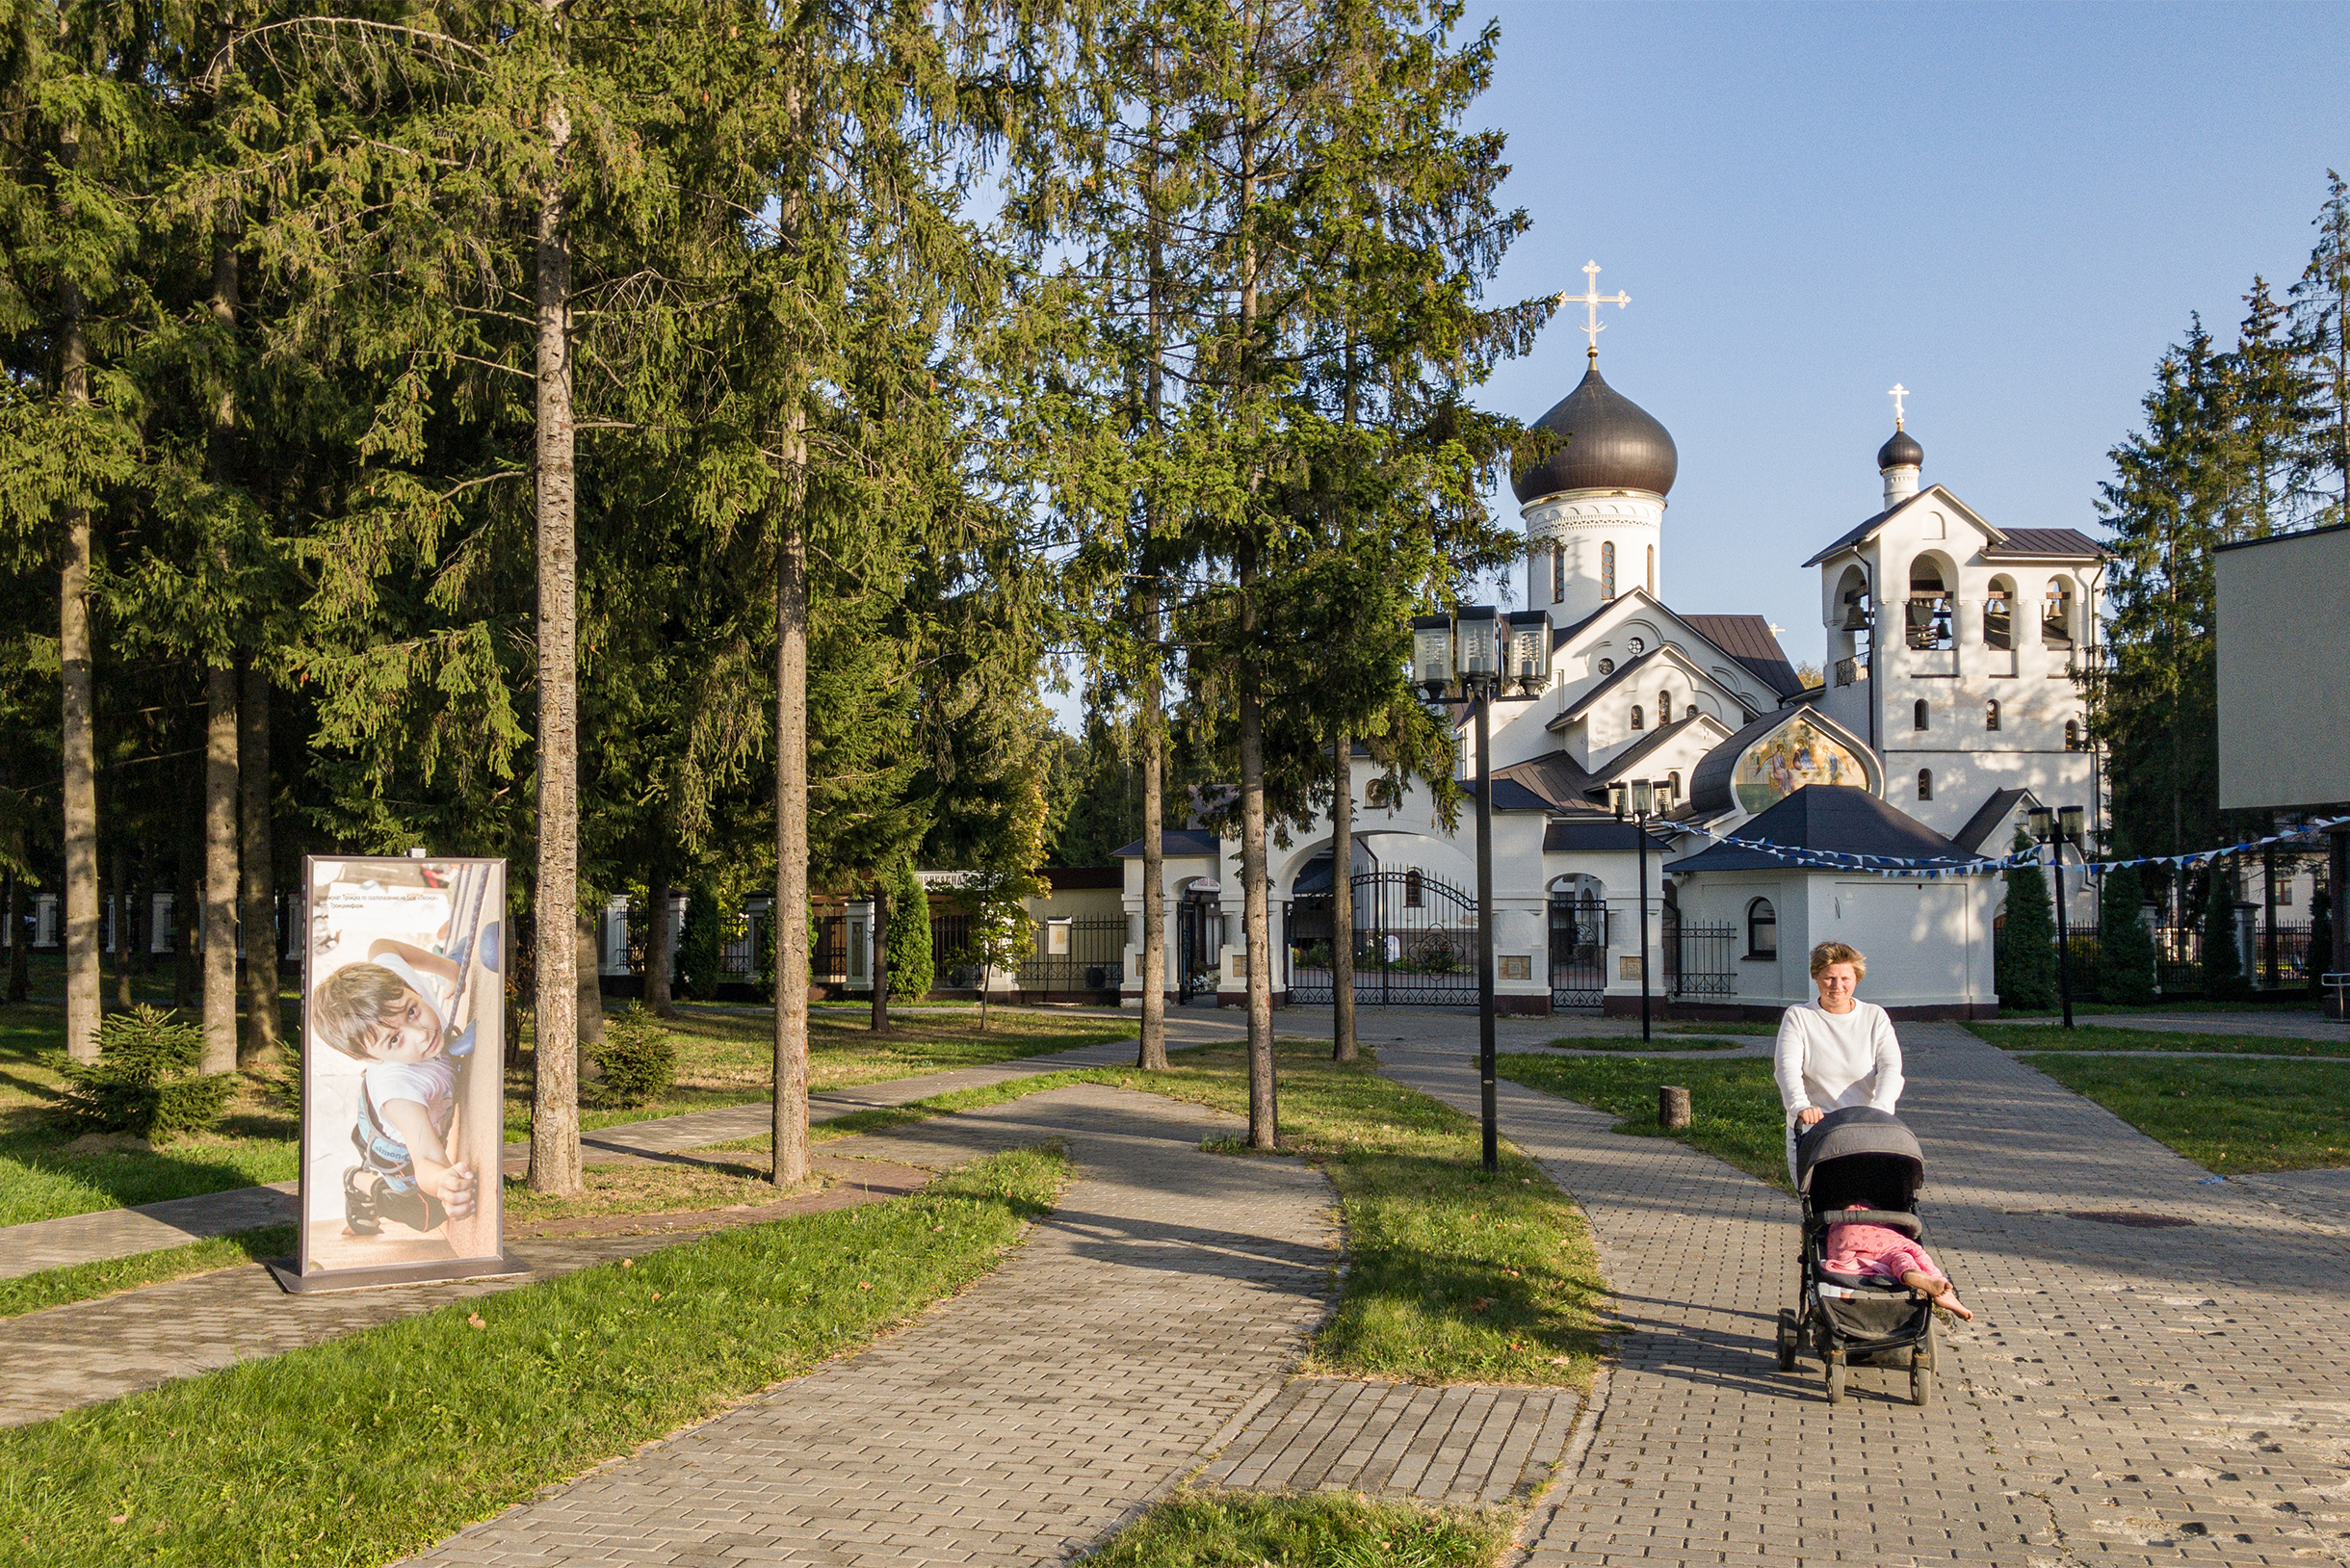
1839,953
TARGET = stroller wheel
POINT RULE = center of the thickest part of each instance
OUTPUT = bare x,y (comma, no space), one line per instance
1786,1339
1835,1377
1922,1384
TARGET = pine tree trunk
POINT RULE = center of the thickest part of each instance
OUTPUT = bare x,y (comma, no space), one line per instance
1152,1053
1341,901
187,907
790,1118
220,870
264,1024
79,733
1264,1114
660,944
555,1117
19,974
880,950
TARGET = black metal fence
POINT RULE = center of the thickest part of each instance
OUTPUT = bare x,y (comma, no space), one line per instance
1578,955
1077,955
1701,962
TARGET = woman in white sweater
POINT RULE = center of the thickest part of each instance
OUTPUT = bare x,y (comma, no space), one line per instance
1836,1052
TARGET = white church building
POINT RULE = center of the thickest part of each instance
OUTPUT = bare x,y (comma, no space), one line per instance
1947,709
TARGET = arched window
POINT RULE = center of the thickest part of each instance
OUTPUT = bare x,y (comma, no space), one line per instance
1672,783
1918,714
1692,712
1999,615
1761,929
1928,619
1607,666
1664,707
1652,571
1607,570
1637,722
1412,888
1926,784
2072,735
1559,573
2057,613
1990,713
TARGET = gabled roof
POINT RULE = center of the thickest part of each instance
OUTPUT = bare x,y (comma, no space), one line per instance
1633,755
1555,776
1178,841
1508,795
1827,816
1998,808
2005,543
1748,639
1607,682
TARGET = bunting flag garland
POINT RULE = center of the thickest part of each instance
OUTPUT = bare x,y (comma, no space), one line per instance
1940,866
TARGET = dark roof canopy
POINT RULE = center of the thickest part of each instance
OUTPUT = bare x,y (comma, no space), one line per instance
1998,807
1177,841
1827,816
1598,832
1554,775
1609,442
1749,640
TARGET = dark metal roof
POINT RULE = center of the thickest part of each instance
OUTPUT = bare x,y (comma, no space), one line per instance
1179,841
2279,539
1748,639
1901,450
1631,756
1598,832
1609,442
1827,816
1999,807
2069,543
1555,776
1508,795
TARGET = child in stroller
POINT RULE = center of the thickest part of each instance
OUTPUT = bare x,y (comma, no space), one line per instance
1860,1166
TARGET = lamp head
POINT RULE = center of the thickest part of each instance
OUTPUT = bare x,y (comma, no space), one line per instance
2070,820
1643,798
1618,799
2043,823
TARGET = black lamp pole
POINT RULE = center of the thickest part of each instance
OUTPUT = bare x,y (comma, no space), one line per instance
1632,795
1484,923
2055,829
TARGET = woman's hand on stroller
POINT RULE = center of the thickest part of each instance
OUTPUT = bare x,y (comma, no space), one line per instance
1809,1115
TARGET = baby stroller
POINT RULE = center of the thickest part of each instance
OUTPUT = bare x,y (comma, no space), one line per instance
1858,1155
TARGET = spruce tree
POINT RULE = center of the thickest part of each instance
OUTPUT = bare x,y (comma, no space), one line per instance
2126,961
912,966
2321,350
2027,961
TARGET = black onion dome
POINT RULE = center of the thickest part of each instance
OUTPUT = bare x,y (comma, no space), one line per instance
1901,452
1610,443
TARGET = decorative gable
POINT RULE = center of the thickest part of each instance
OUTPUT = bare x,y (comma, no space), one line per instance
1778,754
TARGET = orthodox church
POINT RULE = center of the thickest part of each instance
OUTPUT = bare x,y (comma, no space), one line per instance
1946,709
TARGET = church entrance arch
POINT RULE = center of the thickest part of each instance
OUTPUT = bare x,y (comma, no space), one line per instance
1415,941
1578,944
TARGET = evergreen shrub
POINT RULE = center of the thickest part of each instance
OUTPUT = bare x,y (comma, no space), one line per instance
912,966
2024,966
145,1080
2223,962
2322,941
2125,969
703,940
639,1059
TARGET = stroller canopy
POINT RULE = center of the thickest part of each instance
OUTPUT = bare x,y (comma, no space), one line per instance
1870,1151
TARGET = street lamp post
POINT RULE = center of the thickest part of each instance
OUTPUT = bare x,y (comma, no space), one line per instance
1470,654
2063,827
1638,800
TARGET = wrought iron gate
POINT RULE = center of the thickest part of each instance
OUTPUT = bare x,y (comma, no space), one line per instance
1415,942
1195,948
1579,955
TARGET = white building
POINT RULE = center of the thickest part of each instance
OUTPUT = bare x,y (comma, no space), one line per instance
1948,708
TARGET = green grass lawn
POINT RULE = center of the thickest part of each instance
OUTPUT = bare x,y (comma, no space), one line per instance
365,1448
1740,1026
1452,1276
2105,1037
85,1281
2296,1002
1734,1106
725,1058
2231,1117
1255,1530
1639,1047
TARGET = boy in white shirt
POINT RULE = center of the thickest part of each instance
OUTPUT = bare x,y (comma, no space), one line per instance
1836,1052
397,1012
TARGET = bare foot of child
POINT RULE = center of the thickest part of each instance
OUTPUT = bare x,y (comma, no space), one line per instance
1940,1293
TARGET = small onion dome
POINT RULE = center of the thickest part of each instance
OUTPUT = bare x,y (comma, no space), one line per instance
1609,443
1901,452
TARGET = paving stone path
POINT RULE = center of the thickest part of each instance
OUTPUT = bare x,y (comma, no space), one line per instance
1463,1445
2127,1395
121,1233
1134,1330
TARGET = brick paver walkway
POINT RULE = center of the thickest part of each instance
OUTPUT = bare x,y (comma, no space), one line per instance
121,1233
1464,1446
2125,1396
1150,1314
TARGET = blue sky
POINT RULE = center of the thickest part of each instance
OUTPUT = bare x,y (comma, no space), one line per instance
2008,209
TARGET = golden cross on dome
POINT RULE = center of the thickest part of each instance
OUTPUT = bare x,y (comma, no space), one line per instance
1592,298
1897,394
